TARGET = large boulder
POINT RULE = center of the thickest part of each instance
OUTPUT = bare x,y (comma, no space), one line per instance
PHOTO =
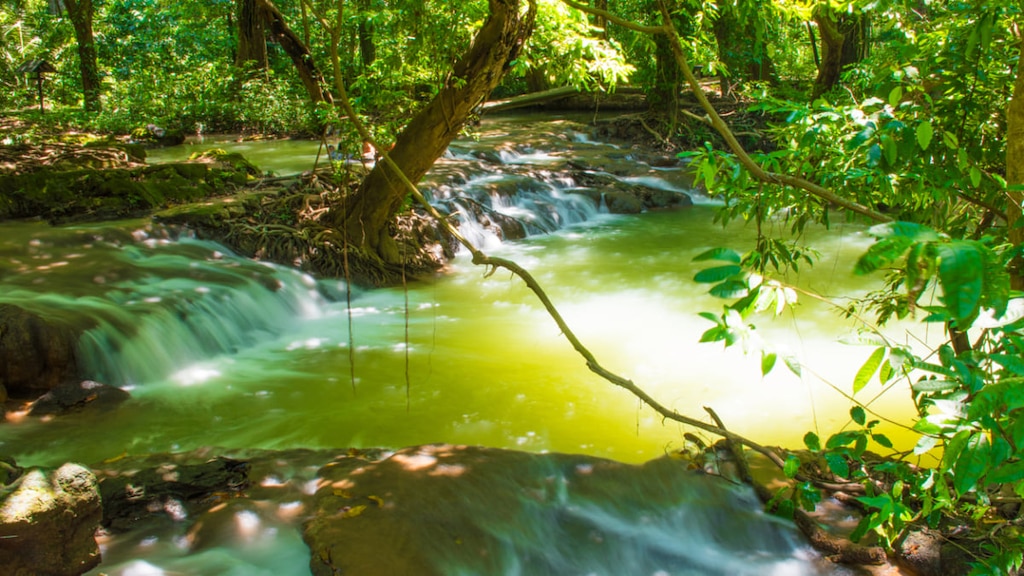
35,353
48,521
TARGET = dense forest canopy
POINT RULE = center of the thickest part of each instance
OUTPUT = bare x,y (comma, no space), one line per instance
897,111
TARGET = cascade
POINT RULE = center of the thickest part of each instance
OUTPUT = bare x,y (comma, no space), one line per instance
150,307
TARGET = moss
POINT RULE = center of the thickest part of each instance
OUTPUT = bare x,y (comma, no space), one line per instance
91,194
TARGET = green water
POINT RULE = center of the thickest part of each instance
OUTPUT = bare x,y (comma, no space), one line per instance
221,351
483,364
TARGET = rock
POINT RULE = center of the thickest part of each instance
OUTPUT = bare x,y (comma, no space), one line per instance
169,489
929,553
48,521
72,396
9,471
437,510
35,353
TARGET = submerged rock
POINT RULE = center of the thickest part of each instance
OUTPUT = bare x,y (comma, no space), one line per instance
170,489
48,520
467,510
72,396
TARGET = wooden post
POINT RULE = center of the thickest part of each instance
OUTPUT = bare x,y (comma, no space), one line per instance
39,83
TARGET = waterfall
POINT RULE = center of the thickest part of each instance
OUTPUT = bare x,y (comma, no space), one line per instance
148,309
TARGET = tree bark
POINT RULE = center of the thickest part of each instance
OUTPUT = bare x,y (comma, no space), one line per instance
1015,174
600,22
80,12
252,40
367,35
843,42
290,42
741,48
365,216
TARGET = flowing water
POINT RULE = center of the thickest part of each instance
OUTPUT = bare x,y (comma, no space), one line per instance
221,351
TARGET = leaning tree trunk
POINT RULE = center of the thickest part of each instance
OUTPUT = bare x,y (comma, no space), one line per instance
290,42
365,215
1015,173
80,13
252,41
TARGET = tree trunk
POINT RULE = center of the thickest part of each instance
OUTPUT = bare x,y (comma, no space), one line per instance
600,22
366,214
367,36
843,42
741,46
290,42
252,40
80,13
663,99
1015,174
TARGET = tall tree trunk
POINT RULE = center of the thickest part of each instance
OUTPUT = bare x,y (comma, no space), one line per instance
367,35
663,99
290,42
742,46
1015,173
600,22
252,37
80,13
844,42
366,214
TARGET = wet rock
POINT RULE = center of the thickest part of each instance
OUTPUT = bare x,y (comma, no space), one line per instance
617,193
467,510
930,553
35,353
168,490
73,396
9,471
48,520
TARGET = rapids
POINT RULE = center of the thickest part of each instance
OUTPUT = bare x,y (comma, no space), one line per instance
221,351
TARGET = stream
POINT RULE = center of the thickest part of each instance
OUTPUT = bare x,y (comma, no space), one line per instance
217,350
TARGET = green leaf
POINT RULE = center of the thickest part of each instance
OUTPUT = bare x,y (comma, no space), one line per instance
1014,364
975,175
717,274
714,334
720,253
972,463
767,362
924,134
710,316
867,370
874,155
812,442
842,439
880,502
858,415
909,230
895,95
793,363
882,440
881,254
889,149
1012,472
961,272
925,444
730,289
837,464
791,467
